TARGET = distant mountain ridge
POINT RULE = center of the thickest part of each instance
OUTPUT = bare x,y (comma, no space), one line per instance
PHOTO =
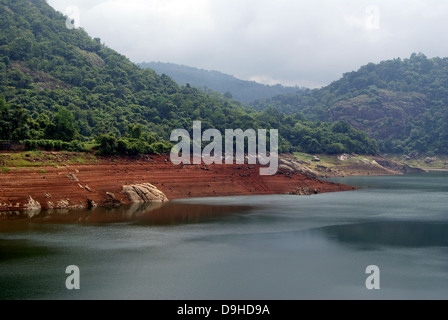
401,103
241,90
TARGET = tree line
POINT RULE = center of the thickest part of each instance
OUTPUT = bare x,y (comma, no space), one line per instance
61,85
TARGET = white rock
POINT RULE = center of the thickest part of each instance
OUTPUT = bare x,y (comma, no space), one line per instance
145,192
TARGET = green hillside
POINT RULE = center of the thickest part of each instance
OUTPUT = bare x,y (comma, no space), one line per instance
403,104
61,85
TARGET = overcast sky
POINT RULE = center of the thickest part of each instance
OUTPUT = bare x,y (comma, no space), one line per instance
292,42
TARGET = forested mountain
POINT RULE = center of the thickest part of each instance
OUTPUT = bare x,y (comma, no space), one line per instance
402,103
243,91
59,84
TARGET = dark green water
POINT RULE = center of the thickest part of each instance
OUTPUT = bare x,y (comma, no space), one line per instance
268,247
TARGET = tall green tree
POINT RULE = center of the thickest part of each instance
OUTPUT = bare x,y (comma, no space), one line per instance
62,127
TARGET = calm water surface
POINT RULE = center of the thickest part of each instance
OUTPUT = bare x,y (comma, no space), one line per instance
267,247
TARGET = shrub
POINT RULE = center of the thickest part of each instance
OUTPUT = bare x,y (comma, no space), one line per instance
110,145
336,148
55,145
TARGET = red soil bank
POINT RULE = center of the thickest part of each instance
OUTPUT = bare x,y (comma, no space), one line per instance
73,186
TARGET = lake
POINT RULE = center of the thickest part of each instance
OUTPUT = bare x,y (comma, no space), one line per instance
251,248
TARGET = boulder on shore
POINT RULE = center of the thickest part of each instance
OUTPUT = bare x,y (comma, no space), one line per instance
145,192
33,207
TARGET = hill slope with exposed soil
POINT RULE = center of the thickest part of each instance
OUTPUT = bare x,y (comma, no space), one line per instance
63,181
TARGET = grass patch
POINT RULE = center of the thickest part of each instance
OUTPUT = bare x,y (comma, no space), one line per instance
50,157
42,171
22,163
82,159
92,158
303,156
5,169
328,161
77,160
21,160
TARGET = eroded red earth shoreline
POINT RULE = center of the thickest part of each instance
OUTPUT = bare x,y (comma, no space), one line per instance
75,186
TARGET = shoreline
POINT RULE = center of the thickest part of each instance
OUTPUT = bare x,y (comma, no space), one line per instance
332,166
100,184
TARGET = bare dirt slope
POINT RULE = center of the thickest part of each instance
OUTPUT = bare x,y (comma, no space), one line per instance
101,182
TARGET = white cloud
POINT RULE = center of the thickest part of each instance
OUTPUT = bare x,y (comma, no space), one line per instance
295,42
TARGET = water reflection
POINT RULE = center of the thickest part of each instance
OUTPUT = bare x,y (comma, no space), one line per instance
156,214
404,234
21,249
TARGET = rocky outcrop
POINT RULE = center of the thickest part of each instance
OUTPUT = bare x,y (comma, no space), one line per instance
294,164
430,160
304,191
33,207
397,166
72,177
344,157
91,204
145,192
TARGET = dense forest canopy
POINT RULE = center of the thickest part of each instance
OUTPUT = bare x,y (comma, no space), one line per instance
402,103
58,84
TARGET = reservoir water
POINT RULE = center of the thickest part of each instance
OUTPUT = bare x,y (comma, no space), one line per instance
265,247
